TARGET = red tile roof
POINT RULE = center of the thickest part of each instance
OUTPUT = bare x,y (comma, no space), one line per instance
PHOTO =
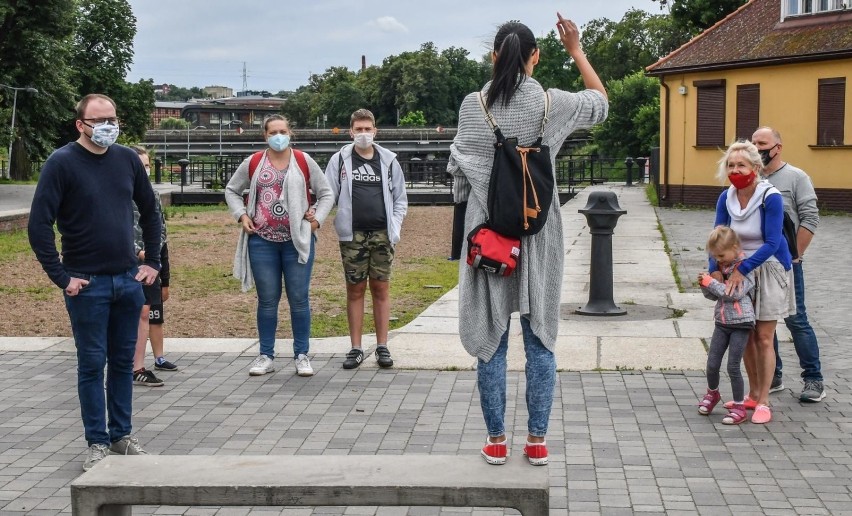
754,35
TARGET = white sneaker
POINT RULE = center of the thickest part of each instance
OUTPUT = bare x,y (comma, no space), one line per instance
261,365
303,366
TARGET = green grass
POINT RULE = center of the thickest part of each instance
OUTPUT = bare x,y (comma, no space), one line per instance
175,212
204,280
668,251
32,293
651,193
12,244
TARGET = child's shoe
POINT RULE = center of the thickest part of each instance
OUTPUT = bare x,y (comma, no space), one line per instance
736,415
706,405
748,403
495,453
536,453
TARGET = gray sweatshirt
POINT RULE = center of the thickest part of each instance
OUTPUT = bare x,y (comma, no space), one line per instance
735,309
800,200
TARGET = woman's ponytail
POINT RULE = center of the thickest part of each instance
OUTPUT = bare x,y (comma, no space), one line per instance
513,46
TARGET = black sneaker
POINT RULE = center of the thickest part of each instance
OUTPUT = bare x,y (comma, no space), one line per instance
146,378
165,365
776,385
353,358
383,356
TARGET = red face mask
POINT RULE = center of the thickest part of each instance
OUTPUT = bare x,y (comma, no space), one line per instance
741,181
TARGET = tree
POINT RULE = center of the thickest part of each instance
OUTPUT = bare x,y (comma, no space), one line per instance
694,16
297,108
34,50
337,96
554,68
413,119
101,56
633,124
173,123
617,49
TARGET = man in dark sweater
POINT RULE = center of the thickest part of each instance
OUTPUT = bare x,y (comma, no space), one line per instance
88,188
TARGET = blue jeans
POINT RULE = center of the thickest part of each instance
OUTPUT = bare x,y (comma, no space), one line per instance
269,261
105,318
804,338
541,379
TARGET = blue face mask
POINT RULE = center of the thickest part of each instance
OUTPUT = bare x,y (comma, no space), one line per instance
279,142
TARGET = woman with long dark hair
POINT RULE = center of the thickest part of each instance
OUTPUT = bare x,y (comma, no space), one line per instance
486,301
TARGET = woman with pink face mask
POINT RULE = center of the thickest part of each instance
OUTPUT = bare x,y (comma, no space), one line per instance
755,210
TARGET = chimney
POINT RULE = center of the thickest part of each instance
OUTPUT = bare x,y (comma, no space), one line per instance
363,62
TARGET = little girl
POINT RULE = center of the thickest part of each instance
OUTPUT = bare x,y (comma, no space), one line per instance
734,316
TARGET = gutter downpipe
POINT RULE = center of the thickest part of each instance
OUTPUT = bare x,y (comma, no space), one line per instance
666,132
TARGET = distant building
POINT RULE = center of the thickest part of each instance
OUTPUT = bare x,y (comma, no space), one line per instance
218,92
783,63
248,111
165,110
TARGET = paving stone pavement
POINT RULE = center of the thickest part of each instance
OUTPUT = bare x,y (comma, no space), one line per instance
621,442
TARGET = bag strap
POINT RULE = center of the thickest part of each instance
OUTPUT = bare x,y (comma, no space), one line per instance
492,122
254,165
306,172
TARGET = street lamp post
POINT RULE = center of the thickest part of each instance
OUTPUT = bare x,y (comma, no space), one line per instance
187,137
8,171
230,122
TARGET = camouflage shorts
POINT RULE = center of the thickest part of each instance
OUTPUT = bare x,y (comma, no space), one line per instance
369,254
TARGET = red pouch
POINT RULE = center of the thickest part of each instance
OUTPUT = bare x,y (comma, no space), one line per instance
492,252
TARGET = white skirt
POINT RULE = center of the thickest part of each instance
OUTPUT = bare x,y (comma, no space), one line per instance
775,295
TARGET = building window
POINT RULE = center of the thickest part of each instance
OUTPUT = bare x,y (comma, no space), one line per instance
214,118
748,110
831,111
710,113
800,7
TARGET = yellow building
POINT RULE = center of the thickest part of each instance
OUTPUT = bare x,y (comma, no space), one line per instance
782,63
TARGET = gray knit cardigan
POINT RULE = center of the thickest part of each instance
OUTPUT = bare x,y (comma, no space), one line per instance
486,300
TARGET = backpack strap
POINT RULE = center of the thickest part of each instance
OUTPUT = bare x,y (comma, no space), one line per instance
492,122
306,172
254,163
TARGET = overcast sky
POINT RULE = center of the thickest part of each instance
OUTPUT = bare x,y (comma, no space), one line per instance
204,43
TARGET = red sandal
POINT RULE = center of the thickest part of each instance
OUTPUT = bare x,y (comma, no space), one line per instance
736,415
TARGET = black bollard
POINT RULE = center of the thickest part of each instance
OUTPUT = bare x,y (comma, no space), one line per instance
640,168
602,212
183,164
158,170
628,162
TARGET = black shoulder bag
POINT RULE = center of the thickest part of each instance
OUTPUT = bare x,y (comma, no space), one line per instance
521,187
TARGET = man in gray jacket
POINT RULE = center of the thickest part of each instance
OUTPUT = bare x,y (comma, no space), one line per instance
800,203
369,189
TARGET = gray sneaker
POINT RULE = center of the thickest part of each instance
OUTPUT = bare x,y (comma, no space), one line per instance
777,384
127,445
261,365
303,366
97,452
813,391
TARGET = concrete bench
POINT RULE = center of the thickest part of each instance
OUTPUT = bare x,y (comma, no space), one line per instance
113,486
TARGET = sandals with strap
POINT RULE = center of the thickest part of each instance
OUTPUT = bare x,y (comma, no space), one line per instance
736,415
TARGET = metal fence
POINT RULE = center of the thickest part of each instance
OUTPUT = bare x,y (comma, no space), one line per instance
572,170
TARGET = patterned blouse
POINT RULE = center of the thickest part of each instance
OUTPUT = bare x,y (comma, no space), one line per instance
271,220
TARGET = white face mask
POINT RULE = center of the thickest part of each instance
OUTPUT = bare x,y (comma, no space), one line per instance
364,140
104,135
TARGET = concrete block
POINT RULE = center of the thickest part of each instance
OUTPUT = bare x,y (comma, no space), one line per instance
655,353
114,484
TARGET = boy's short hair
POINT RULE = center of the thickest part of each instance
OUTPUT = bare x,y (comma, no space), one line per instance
81,106
361,114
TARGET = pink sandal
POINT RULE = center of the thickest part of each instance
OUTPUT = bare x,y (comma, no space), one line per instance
748,403
736,415
708,402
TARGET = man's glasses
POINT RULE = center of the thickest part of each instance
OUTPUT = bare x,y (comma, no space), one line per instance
99,121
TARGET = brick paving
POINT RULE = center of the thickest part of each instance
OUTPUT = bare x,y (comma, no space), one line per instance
621,442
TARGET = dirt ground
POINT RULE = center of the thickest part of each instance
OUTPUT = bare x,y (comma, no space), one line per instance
209,302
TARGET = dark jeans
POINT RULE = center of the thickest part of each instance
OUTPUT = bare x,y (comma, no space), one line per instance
804,338
105,318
